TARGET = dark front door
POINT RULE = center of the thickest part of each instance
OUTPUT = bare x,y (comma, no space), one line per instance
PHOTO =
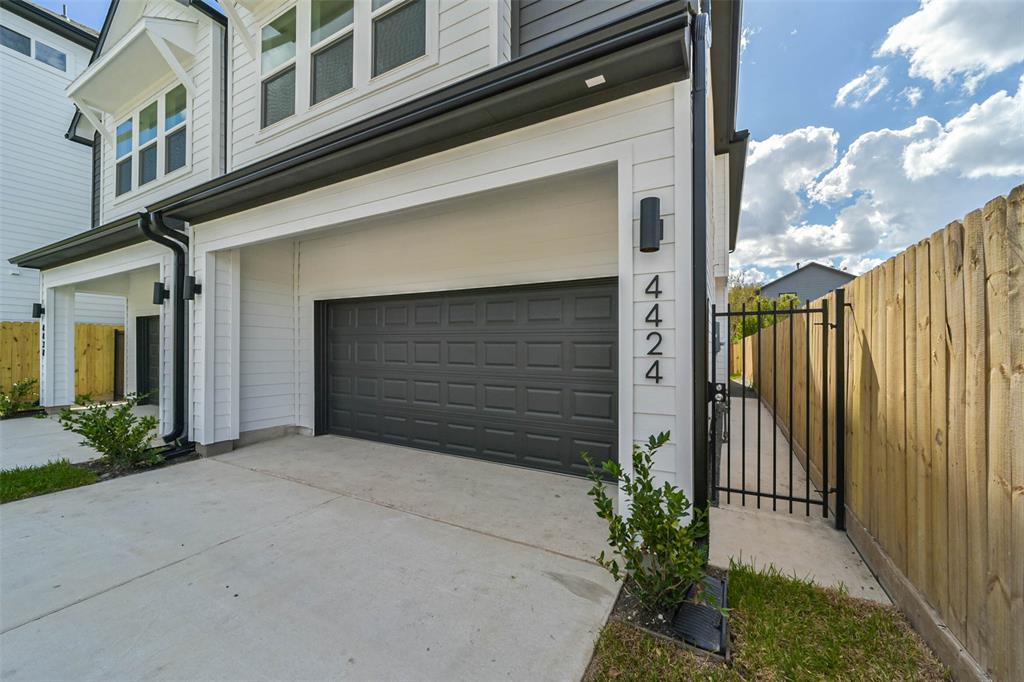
147,358
520,375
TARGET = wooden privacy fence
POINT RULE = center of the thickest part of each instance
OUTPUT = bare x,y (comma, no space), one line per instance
934,428
94,356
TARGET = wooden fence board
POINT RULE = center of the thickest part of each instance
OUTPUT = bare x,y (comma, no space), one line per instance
921,324
957,445
19,353
916,564
939,417
976,449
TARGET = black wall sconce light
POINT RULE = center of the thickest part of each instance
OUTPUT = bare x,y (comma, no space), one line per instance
192,288
652,227
160,293
37,310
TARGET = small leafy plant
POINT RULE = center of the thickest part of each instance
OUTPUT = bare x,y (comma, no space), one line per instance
122,437
657,543
17,399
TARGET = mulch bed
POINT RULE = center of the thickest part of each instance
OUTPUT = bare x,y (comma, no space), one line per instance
105,470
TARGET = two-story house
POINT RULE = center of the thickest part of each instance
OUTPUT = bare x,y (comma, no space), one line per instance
44,178
487,228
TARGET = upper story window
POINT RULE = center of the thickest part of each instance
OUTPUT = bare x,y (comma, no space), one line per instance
21,43
51,56
399,33
341,46
277,63
153,140
331,32
16,41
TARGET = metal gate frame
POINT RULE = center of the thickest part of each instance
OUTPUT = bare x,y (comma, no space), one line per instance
833,483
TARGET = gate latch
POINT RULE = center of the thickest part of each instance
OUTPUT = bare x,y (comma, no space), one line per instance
719,393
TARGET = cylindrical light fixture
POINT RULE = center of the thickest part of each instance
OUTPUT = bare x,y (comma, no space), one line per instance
652,229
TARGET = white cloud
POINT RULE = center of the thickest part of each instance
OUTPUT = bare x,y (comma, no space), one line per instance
946,39
987,140
746,34
858,266
891,188
912,94
862,89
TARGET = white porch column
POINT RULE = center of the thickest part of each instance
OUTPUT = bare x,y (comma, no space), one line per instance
57,348
216,360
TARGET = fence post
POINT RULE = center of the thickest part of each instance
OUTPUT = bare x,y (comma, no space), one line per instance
825,326
840,409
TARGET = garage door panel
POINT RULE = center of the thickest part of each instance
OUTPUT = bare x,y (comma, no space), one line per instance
522,375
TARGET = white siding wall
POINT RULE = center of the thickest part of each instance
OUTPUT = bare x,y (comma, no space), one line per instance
204,123
719,234
36,162
266,336
645,136
464,47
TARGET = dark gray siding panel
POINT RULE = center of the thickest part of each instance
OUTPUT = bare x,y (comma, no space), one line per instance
520,375
543,23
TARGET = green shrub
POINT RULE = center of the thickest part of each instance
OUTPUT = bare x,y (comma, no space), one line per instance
657,543
115,431
17,399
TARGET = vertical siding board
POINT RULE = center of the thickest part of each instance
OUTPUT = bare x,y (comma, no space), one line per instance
976,453
957,443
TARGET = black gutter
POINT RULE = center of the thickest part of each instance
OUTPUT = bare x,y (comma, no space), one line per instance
637,54
659,23
52,22
699,269
152,225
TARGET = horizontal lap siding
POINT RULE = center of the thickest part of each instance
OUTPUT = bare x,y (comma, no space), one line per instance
543,23
464,49
37,162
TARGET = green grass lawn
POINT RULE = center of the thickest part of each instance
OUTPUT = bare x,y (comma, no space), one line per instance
782,629
22,482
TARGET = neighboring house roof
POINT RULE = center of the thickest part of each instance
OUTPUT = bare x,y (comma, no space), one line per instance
80,34
804,269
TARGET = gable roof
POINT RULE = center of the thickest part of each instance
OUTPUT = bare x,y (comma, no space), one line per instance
66,28
804,268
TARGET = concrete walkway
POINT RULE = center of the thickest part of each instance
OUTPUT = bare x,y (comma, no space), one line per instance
799,543
30,441
305,558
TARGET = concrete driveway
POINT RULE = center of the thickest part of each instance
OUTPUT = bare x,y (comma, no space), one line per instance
30,441
305,558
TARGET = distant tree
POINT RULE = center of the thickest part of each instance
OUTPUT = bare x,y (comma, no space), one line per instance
744,294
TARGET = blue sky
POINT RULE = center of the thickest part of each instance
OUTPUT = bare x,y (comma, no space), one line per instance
933,128
873,123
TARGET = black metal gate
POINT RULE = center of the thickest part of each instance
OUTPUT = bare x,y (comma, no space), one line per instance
761,458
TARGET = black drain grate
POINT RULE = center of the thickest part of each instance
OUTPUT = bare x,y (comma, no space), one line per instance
702,624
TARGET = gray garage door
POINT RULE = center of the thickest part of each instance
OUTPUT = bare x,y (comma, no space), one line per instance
521,375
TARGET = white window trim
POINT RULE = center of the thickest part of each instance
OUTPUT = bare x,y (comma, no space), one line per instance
363,85
330,40
132,111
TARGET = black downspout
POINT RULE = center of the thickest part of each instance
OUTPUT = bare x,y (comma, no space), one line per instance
699,251
146,225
